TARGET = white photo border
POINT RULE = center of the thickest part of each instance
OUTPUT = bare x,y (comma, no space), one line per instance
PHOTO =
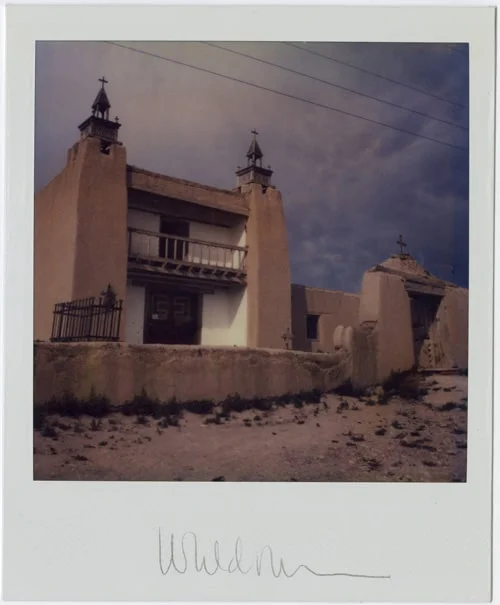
90,541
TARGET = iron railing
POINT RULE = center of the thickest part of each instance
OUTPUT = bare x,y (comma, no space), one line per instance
87,319
152,246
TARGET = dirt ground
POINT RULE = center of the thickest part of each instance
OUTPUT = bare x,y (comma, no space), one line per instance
340,439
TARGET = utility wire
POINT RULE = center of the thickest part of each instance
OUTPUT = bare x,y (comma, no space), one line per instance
284,94
372,73
356,92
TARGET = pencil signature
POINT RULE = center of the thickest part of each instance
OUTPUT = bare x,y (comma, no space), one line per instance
182,562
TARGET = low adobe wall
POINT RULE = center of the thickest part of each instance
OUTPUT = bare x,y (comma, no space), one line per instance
333,308
385,320
121,371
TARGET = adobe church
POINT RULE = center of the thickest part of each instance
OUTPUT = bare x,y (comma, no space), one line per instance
198,265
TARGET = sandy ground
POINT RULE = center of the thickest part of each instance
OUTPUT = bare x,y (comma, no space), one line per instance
341,439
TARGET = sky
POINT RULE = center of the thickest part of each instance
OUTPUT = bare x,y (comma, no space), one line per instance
350,185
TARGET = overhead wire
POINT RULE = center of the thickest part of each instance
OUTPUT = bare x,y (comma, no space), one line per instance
377,75
334,85
287,95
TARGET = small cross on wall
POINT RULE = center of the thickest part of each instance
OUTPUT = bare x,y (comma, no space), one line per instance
287,338
401,244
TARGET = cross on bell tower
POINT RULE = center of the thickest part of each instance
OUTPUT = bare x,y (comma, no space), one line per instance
98,123
402,244
254,172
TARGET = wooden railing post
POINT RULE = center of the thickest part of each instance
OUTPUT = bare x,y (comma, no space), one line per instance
188,250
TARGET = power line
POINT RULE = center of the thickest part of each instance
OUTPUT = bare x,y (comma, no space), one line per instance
356,92
284,94
372,73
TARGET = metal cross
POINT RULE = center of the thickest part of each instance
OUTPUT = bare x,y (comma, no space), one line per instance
254,132
401,244
103,80
287,338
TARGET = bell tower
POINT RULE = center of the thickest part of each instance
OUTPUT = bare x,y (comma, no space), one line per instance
254,172
98,124
268,265
81,220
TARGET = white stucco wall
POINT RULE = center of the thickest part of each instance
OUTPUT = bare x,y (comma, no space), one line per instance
142,243
224,318
134,314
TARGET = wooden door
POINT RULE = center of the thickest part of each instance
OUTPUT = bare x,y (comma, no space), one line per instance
172,318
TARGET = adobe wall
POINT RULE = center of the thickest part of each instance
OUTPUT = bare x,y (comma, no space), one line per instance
151,182
334,308
455,317
121,371
80,231
268,269
55,224
360,347
385,310
101,253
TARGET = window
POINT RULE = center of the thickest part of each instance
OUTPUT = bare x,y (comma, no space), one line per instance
312,327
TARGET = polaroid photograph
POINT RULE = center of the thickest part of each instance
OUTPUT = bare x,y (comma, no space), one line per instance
249,324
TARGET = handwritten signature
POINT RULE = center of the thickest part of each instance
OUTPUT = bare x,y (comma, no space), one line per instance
171,561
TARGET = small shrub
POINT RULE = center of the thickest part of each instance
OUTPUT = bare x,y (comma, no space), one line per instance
141,405
60,425
347,390
39,418
49,431
285,399
142,420
95,424
80,458
313,396
70,405
343,405
67,405
173,407
405,385
96,405
453,406
234,403
262,404
202,406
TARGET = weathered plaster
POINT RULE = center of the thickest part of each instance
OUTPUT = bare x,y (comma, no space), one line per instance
121,371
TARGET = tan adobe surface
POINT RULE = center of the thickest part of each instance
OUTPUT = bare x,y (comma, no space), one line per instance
179,189
407,267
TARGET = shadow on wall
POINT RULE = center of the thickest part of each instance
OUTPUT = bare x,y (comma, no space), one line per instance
428,348
299,313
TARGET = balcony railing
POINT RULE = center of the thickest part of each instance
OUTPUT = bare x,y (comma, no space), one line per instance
186,256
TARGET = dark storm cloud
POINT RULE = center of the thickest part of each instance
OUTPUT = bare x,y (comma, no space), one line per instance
349,186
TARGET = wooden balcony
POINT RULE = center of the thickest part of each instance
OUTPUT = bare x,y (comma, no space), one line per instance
151,252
